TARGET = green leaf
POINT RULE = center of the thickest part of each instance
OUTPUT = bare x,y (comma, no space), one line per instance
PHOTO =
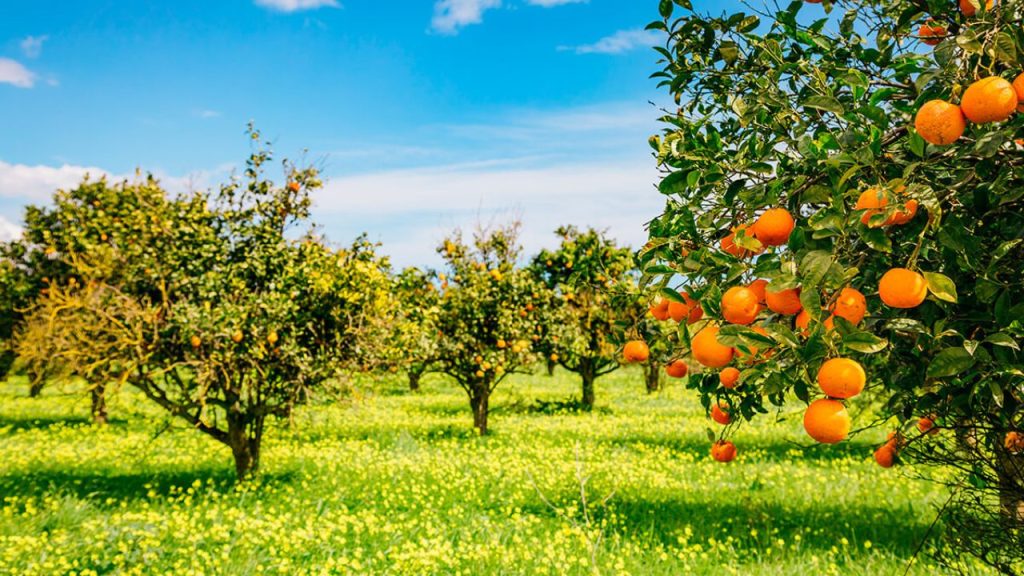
672,295
827,103
941,286
865,342
813,267
1004,48
665,8
950,362
1002,339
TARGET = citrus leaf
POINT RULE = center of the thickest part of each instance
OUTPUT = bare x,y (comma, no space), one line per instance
865,342
950,362
941,286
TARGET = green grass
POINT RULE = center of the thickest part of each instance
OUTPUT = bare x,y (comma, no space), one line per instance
390,482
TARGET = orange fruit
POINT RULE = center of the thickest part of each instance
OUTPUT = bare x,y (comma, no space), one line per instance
723,451
729,377
730,246
758,286
803,321
660,309
940,122
636,351
903,215
677,369
1014,442
720,415
1018,87
991,99
970,7
850,305
272,338
931,33
293,186
708,351
902,288
785,302
196,342
926,425
773,227
740,305
690,311
871,200
841,378
237,336
827,421
885,455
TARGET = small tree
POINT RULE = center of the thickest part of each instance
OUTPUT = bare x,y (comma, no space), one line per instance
248,321
413,337
487,316
824,154
585,271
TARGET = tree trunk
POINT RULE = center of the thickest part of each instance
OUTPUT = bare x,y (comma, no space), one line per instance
36,388
245,432
551,367
414,380
99,404
1010,469
652,377
478,401
588,375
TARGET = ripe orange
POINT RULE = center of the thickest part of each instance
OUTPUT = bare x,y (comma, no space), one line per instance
690,311
758,286
827,421
740,305
871,200
931,33
293,186
723,451
196,342
940,122
902,288
926,425
1014,442
636,351
885,455
786,302
970,7
237,336
730,246
708,351
676,369
991,99
773,227
850,305
841,378
1018,87
803,321
903,215
660,309
720,415
272,338
729,377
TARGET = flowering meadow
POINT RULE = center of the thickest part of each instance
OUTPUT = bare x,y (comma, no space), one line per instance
386,481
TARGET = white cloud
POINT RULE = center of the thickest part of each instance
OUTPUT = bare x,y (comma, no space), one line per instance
450,15
38,183
296,5
550,3
207,114
9,230
32,46
12,72
619,42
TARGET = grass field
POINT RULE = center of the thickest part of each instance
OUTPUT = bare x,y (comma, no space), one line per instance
389,482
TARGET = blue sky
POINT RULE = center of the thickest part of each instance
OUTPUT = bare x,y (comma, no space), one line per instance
425,115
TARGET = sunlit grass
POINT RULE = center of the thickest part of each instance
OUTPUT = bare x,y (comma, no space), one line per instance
389,482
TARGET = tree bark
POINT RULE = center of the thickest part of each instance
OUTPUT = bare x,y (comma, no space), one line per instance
99,404
479,401
652,377
414,380
588,375
36,388
245,433
1011,487
551,367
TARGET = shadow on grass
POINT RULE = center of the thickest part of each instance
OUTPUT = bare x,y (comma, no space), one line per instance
19,423
97,486
772,451
760,523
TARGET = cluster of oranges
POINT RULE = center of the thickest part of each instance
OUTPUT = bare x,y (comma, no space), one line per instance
991,99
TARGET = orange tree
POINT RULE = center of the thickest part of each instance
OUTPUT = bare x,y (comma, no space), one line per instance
228,319
412,342
875,183
584,271
488,315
